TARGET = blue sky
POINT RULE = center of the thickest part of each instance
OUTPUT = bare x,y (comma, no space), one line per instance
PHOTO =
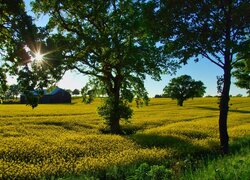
204,71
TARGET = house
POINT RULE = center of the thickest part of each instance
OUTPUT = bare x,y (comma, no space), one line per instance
58,95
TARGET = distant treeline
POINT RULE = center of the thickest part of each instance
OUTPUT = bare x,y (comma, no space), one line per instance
207,96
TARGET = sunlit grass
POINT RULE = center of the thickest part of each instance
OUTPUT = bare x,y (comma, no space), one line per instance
65,139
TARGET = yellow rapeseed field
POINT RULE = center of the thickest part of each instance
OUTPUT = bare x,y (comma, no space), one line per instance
63,139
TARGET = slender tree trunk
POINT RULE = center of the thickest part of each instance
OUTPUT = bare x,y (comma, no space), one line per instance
224,138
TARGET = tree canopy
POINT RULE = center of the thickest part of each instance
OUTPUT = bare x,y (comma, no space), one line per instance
107,41
13,91
76,92
13,25
242,75
183,88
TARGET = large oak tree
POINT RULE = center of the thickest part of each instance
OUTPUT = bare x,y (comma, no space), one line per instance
214,30
107,41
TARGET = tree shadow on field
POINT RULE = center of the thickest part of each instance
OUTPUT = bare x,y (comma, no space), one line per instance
65,125
230,110
238,143
166,141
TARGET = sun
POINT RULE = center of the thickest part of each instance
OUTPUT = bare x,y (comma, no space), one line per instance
38,56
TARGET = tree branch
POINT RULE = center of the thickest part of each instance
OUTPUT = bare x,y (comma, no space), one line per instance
218,58
239,59
210,59
87,72
66,25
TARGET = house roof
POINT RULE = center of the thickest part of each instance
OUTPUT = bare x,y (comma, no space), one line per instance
35,93
56,90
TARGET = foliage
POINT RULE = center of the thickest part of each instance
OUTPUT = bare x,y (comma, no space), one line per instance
183,88
13,91
141,171
3,82
142,101
200,28
159,172
248,64
69,91
239,95
21,40
87,94
33,97
51,88
53,141
107,41
242,75
76,92
14,24
94,88
44,73
110,110
147,172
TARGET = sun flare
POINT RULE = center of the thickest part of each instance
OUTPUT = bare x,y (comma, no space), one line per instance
38,56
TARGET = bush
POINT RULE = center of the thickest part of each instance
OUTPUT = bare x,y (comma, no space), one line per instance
155,172
108,110
159,172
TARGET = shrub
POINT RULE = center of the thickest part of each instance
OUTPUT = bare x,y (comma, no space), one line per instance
155,172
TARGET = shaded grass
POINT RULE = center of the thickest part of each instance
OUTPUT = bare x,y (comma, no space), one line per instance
230,110
233,166
153,140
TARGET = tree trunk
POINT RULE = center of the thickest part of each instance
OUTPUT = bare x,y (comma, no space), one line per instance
180,102
224,138
224,112
115,127
115,115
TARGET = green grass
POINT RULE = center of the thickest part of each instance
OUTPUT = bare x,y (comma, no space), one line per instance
234,166
66,140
